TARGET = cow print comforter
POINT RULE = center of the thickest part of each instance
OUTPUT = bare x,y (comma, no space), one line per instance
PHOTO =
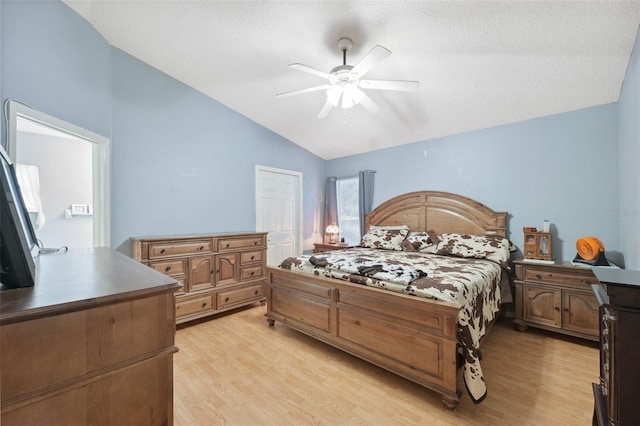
474,284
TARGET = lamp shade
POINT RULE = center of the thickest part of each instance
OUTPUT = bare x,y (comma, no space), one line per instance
333,229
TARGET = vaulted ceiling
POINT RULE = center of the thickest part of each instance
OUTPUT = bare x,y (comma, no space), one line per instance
479,63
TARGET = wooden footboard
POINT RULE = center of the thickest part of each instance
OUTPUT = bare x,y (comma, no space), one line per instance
409,336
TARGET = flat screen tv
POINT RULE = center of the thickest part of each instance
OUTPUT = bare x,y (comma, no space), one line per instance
18,244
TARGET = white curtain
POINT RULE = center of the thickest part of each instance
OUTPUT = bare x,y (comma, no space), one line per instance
29,181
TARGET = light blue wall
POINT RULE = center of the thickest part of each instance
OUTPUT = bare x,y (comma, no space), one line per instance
184,163
181,162
561,168
55,62
629,112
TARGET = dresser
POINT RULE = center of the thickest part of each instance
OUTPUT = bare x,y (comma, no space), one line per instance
556,297
617,395
92,342
216,272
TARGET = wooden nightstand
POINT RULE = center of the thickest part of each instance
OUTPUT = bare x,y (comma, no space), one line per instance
320,247
556,297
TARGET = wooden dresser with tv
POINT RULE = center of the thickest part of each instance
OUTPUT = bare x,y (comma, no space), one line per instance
92,342
617,395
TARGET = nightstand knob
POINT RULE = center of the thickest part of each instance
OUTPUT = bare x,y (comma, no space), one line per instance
587,281
538,276
557,309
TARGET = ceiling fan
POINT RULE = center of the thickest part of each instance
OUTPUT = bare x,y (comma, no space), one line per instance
346,83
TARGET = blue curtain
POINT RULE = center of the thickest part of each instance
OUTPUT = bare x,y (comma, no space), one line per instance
330,205
365,203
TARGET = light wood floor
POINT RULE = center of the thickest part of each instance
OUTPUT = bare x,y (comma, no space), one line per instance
235,370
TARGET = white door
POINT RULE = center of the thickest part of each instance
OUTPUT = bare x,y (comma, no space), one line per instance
279,212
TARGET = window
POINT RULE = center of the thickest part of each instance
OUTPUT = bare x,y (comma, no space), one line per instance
348,217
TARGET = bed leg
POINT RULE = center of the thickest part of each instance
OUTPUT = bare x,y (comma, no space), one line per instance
271,322
451,403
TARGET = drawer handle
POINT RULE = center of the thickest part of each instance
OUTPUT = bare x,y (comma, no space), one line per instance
201,248
566,309
255,243
538,276
586,281
256,292
167,269
557,309
252,272
253,257
228,245
226,299
162,251
204,304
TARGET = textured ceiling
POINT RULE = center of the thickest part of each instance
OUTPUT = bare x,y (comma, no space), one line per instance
479,63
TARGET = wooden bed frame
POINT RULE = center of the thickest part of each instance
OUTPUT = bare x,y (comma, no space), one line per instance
413,337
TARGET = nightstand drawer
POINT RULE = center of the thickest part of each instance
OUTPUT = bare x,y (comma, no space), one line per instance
533,274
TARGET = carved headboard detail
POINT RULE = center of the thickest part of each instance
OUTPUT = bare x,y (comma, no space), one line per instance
438,211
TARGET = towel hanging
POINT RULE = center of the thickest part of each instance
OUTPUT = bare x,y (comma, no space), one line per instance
29,180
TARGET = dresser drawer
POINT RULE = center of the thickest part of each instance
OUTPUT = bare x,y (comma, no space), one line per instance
192,306
251,257
170,267
533,274
179,248
251,273
234,297
240,243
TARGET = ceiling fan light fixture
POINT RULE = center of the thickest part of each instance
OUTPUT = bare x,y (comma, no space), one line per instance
333,95
354,93
347,101
345,83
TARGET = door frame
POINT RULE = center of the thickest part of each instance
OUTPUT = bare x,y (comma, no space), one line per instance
101,157
298,220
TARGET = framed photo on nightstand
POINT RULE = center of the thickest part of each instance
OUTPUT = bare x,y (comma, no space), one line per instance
537,245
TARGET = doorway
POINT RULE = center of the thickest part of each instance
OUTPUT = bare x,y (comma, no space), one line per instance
279,212
64,173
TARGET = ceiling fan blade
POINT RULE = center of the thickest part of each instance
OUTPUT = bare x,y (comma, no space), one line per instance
325,110
375,55
401,85
307,69
301,91
368,104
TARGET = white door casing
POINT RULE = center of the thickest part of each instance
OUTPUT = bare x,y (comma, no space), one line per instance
279,212
101,158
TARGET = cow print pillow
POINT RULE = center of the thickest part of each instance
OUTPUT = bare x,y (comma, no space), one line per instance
385,237
425,242
491,247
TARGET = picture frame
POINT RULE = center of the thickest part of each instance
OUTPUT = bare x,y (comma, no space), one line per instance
537,245
79,209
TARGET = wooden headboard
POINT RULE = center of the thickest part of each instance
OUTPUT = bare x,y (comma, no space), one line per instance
440,212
